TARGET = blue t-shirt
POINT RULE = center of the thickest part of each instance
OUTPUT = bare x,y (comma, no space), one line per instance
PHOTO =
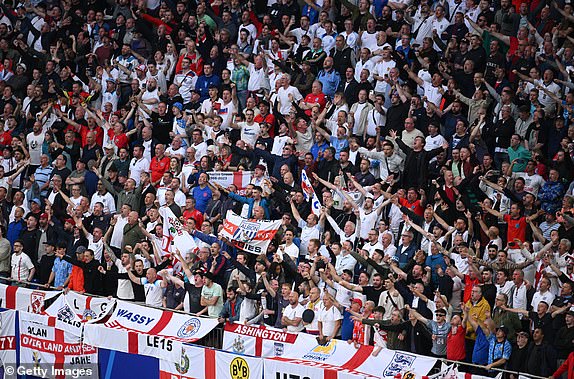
480,353
338,144
202,197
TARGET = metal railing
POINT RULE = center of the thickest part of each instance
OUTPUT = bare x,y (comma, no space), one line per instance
215,338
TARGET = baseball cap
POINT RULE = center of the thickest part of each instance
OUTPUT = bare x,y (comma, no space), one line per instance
178,105
109,146
440,311
358,301
44,216
71,221
142,67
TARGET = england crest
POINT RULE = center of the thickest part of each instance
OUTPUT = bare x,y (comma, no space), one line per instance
399,363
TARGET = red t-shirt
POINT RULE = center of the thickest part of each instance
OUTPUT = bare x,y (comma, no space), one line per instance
194,214
121,140
455,345
84,134
5,139
414,206
516,228
158,167
468,284
315,99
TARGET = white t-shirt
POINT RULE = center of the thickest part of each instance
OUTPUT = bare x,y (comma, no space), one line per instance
21,266
432,93
532,183
328,318
257,78
226,112
137,166
35,147
107,200
153,292
292,313
283,95
292,250
118,233
249,133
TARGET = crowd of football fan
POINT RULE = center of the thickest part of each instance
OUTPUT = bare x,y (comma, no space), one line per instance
438,137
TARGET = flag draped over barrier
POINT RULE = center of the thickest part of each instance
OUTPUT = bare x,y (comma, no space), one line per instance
8,338
24,299
48,347
269,342
201,363
142,330
249,234
68,334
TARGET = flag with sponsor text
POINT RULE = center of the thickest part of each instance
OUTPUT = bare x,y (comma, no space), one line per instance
250,235
269,342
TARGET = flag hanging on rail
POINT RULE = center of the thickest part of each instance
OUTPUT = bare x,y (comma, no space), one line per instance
8,341
204,363
55,352
148,331
25,299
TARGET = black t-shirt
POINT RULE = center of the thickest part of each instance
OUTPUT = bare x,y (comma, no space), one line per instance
193,297
372,294
174,296
162,125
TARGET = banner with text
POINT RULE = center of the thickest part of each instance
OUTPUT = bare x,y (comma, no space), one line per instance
203,363
239,179
24,299
75,309
250,235
268,343
51,351
148,331
7,340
